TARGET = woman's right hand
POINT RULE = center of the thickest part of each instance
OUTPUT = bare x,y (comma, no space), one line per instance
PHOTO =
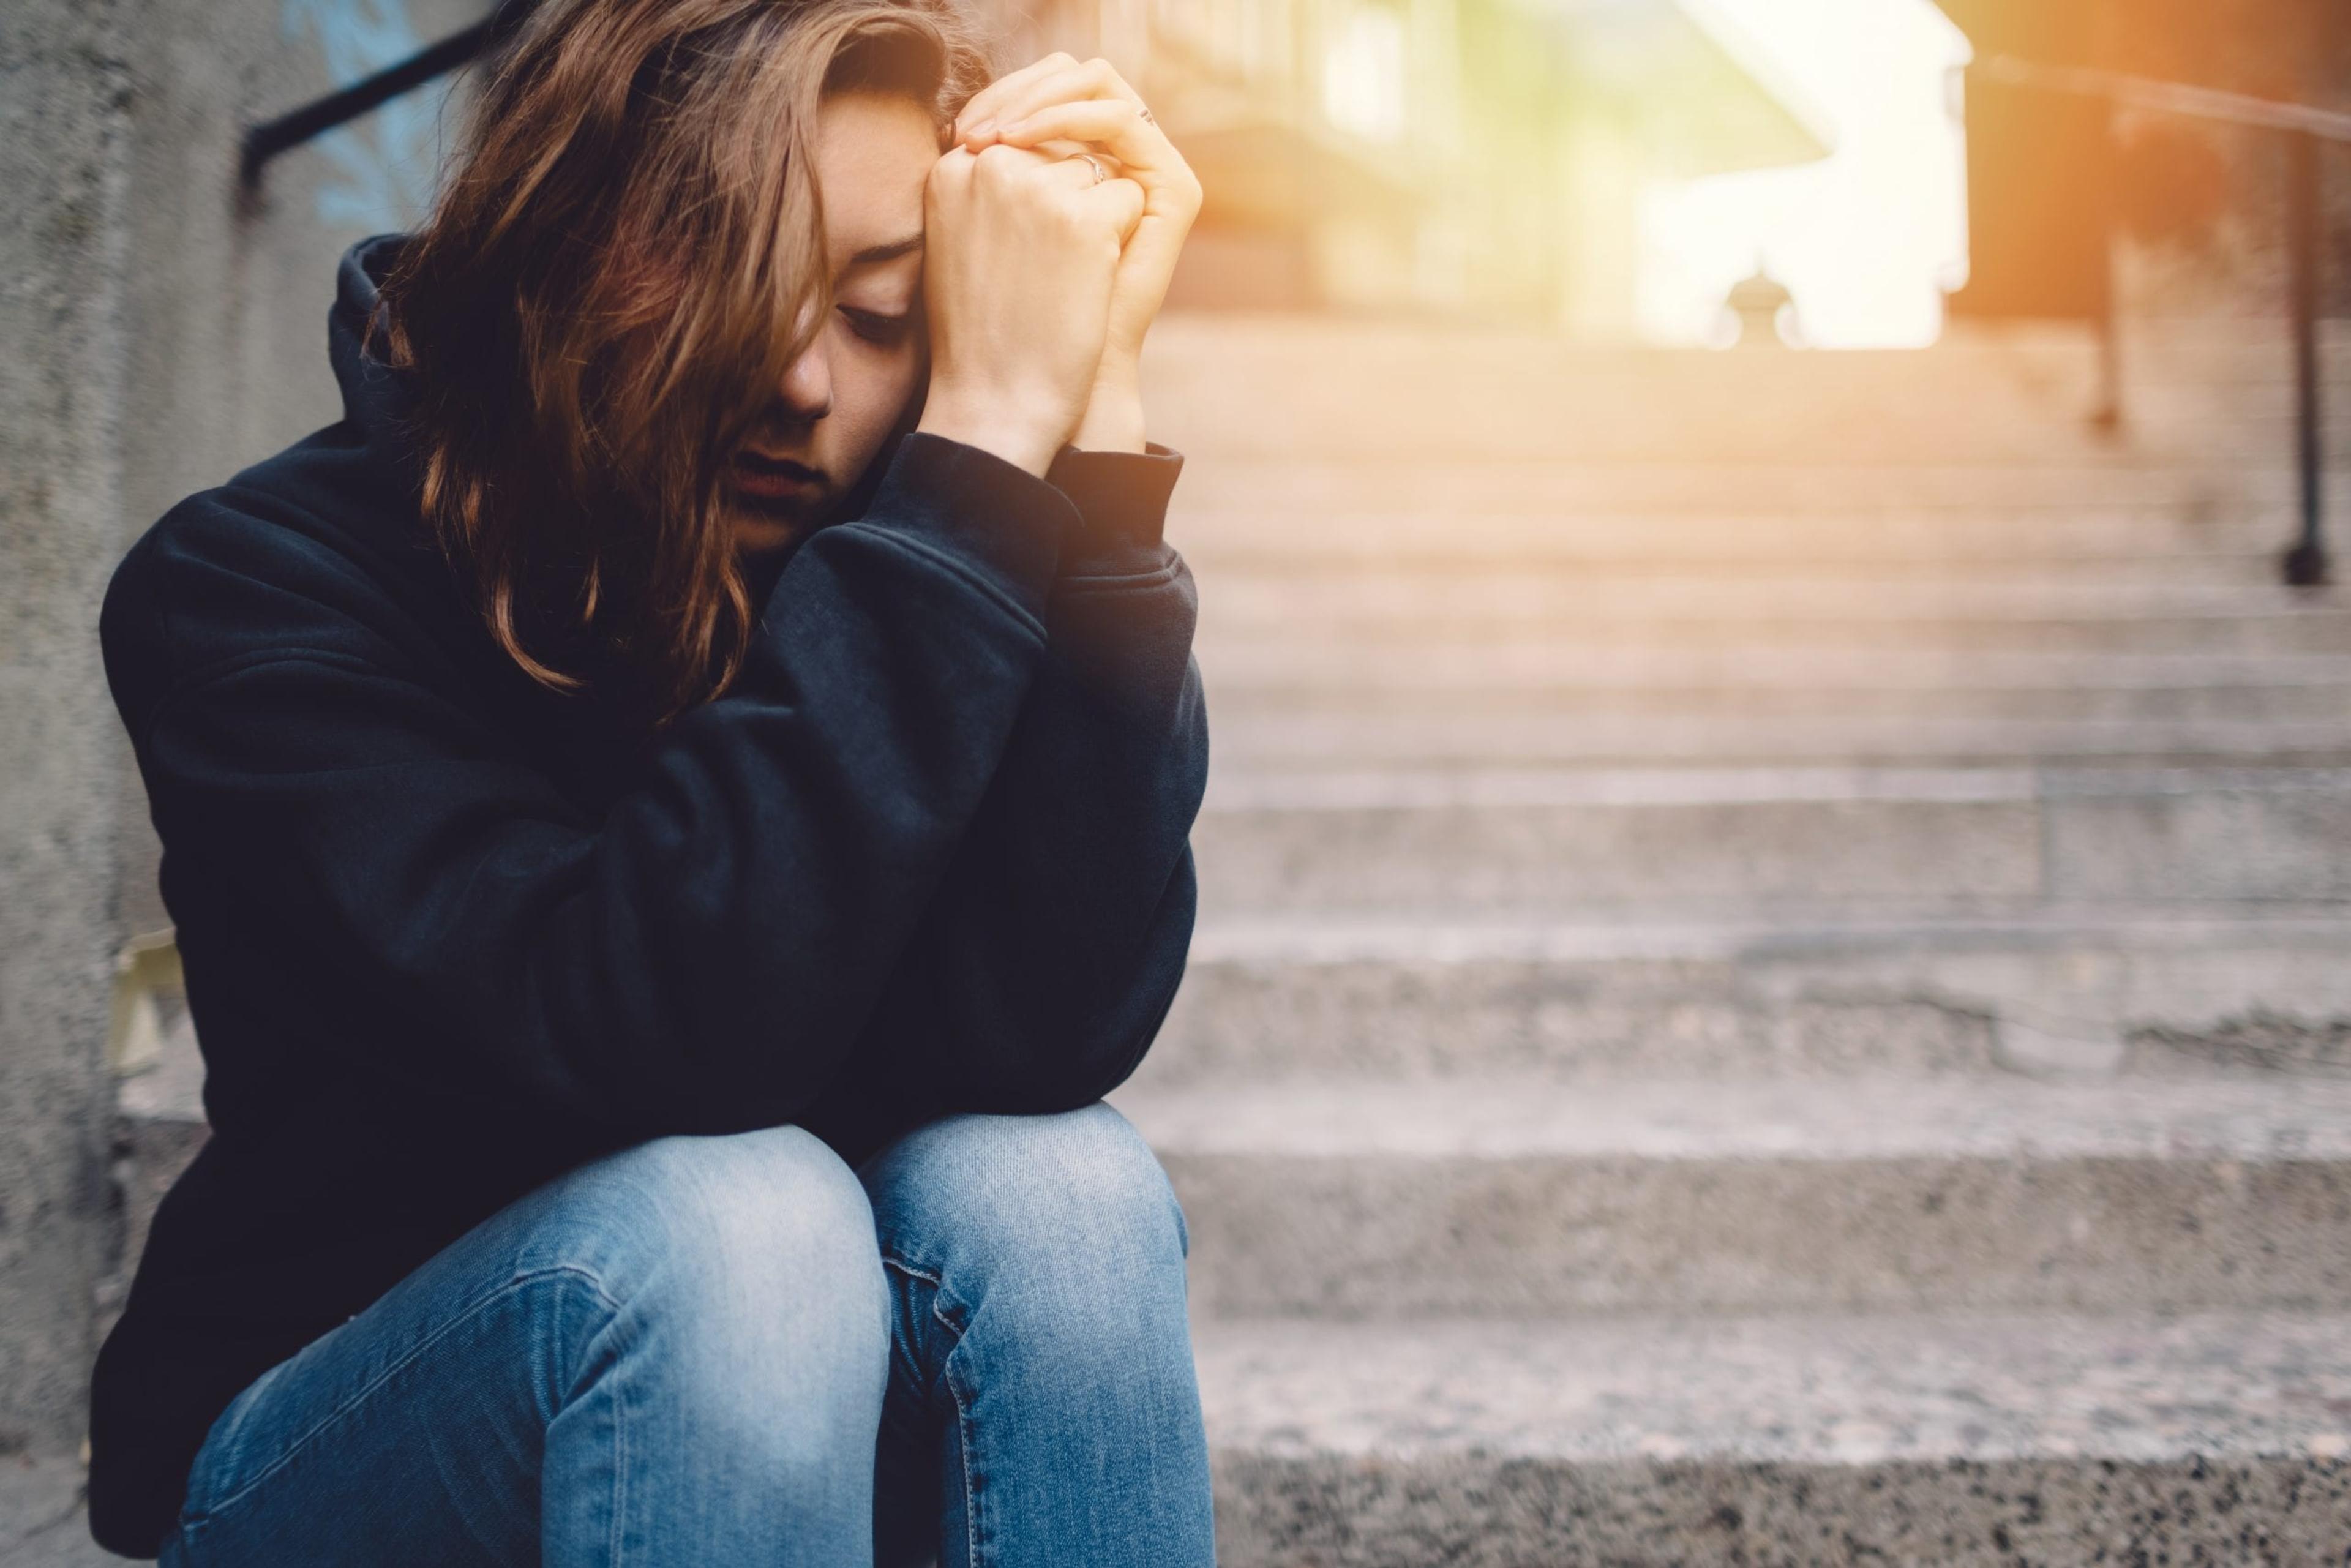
1019,250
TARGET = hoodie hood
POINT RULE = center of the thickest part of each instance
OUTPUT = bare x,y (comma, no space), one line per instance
378,400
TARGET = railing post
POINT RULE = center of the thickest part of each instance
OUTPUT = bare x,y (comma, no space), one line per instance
2107,416
2305,563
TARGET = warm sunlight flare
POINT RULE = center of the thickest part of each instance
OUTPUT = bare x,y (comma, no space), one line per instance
1869,239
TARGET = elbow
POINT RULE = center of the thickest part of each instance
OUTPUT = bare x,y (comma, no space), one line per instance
1095,1042
1112,1057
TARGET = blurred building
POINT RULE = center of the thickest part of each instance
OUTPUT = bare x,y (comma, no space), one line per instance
1486,156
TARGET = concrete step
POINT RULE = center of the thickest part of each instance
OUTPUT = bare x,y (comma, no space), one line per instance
2152,991
1791,680
1536,732
1340,617
1963,1442
1388,602
1727,633
1270,385
1527,1197
2154,544
1446,844
1278,488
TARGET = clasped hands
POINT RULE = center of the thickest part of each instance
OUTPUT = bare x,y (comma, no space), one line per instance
1040,281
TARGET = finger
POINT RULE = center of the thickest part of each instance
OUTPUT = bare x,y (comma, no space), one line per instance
1112,122
1078,169
985,104
1095,79
1120,203
1070,147
978,129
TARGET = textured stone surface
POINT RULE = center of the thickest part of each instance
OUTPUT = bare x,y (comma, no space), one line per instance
42,1522
2011,397
1564,840
63,109
2141,989
1480,1512
1278,485
1734,625
1825,1388
2118,537
1396,600
1818,679
1926,1440
1501,840
1490,1196
1473,734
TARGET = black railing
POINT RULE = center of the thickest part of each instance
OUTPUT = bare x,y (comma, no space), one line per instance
2305,130
266,140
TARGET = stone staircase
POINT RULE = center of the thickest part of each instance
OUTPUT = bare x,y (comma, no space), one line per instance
1774,982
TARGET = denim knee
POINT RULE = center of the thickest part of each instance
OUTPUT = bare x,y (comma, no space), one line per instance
1066,1208
749,1260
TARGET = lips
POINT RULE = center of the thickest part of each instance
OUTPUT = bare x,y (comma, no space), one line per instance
757,474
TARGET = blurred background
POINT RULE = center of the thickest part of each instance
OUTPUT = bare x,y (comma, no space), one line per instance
1774,976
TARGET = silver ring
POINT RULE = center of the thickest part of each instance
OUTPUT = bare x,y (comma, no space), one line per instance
1096,165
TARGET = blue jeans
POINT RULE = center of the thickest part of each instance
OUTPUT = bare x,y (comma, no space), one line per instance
736,1350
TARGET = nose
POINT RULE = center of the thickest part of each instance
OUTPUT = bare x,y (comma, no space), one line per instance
808,383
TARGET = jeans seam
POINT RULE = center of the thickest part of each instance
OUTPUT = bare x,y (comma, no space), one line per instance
286,1455
963,1411
615,1530
971,1531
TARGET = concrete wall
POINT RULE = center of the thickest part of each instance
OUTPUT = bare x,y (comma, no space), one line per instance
63,158
157,332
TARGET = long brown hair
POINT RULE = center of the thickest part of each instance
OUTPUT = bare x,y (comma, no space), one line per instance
611,285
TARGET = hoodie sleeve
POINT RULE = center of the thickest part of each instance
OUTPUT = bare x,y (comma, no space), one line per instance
1043,970
701,955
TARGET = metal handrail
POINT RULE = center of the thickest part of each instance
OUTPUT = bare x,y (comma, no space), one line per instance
266,140
2304,127
2169,96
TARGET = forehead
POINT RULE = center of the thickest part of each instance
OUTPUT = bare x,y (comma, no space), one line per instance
870,156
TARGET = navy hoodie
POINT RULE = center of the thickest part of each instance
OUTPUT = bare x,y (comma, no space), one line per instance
447,933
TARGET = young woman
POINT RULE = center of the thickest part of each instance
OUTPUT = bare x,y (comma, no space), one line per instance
676,811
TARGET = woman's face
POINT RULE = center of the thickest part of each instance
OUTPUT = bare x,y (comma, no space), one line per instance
838,402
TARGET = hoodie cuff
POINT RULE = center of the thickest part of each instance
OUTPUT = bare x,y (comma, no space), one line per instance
1120,497
993,516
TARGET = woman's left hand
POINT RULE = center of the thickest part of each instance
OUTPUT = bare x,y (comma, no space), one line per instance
1059,98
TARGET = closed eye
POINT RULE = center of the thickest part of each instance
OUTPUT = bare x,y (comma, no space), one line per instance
875,326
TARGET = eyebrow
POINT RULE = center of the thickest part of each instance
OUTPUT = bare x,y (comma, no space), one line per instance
889,252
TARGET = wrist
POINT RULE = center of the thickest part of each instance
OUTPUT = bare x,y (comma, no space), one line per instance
1023,440
1114,417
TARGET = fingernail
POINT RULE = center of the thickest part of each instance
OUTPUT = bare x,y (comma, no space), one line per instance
985,128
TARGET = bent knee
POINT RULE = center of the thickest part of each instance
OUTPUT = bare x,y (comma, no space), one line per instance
1073,1191
771,1214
